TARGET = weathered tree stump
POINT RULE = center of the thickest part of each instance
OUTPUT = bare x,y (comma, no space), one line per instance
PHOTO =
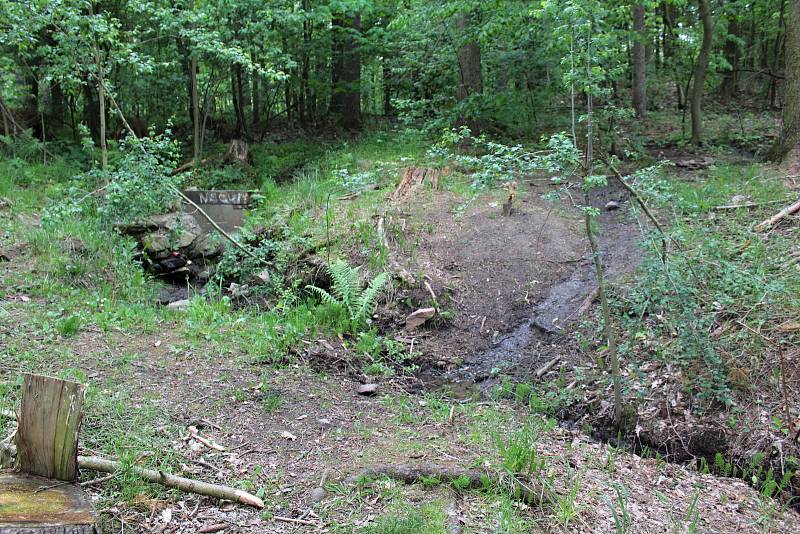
47,446
25,507
47,429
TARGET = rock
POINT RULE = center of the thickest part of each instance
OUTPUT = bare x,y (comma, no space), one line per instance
261,278
419,317
160,235
317,494
179,304
367,389
612,205
237,290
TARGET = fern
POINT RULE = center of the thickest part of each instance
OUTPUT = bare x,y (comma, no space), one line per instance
346,291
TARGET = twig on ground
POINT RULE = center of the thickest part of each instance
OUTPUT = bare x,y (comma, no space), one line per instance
293,520
785,212
546,367
194,434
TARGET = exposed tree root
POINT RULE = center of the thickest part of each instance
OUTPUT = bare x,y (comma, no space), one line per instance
530,492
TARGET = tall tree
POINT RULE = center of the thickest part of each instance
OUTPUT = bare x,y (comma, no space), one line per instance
346,73
470,68
787,147
700,68
639,62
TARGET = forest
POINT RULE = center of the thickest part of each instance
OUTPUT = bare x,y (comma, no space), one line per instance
399,267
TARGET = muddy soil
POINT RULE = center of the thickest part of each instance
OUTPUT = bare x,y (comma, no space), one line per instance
514,284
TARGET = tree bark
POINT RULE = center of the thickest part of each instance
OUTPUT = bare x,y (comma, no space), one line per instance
101,98
470,69
639,63
346,74
730,82
195,104
256,98
237,94
787,147
47,430
388,110
701,65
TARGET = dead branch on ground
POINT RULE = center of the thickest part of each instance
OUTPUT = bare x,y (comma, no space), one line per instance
172,481
785,212
531,492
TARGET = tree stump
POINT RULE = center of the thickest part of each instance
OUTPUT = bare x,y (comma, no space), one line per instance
47,429
47,445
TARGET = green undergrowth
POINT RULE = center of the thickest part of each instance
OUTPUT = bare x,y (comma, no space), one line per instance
714,306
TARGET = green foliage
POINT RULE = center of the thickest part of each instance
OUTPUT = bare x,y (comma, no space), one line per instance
428,518
348,295
721,267
518,451
383,354
140,184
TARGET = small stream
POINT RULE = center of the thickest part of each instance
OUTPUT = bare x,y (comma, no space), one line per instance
539,338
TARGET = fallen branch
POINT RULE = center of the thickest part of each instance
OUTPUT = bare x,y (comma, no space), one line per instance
546,367
172,481
746,205
191,164
194,434
644,207
587,302
526,491
785,212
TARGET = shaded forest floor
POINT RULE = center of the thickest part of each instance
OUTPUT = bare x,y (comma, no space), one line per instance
277,387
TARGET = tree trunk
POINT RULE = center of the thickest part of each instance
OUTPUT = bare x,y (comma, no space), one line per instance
701,65
730,82
256,98
388,111
776,52
470,71
346,75
787,148
101,98
237,94
639,63
195,110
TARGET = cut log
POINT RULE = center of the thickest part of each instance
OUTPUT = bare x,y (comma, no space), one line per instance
47,429
785,212
413,178
172,481
508,207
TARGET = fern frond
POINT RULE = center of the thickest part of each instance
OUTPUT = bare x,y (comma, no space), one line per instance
324,296
346,286
368,298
